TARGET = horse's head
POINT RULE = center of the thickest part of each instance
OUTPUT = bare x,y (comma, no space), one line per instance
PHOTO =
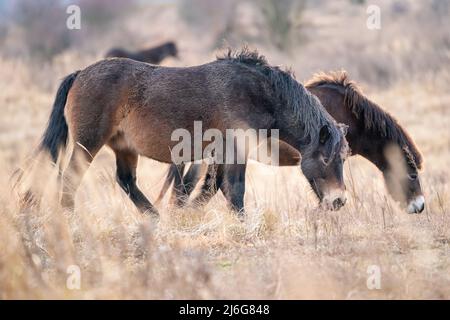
402,179
322,165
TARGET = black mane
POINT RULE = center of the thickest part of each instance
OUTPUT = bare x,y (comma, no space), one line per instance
246,56
374,118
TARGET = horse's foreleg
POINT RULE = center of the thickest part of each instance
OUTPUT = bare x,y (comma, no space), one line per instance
228,178
233,186
126,161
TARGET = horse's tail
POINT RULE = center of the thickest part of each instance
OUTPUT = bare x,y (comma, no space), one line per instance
170,177
56,134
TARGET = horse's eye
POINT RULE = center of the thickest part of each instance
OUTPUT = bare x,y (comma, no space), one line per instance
412,176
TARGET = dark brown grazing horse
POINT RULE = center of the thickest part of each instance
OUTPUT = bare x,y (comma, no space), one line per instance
371,131
153,55
134,108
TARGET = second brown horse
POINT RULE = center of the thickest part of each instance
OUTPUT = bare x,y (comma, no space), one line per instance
152,55
371,132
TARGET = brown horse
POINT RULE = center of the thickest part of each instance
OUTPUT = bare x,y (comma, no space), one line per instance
134,108
153,55
371,132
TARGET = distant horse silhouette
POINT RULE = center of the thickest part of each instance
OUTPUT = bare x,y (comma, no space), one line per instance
153,55
134,107
371,131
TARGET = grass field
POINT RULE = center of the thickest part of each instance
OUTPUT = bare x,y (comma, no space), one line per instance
287,248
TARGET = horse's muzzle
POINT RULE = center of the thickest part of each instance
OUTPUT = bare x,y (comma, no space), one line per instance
334,202
417,205
339,203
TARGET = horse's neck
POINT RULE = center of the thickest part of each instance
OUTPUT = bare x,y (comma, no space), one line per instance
370,147
293,136
363,142
367,144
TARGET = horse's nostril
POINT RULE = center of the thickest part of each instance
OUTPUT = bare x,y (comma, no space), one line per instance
338,203
420,209
417,205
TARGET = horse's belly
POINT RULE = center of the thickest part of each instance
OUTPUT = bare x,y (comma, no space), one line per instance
155,132
148,139
156,136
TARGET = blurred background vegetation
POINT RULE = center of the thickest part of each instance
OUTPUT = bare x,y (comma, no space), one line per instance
308,35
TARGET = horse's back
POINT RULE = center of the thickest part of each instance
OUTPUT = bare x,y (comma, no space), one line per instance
211,93
204,89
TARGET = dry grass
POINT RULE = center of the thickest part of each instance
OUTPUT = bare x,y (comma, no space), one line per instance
286,249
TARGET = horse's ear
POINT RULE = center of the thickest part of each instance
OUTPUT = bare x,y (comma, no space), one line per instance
324,134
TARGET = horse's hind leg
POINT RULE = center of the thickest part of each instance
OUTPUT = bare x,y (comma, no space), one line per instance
71,178
126,161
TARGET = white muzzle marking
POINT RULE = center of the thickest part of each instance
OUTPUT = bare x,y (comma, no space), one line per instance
417,205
